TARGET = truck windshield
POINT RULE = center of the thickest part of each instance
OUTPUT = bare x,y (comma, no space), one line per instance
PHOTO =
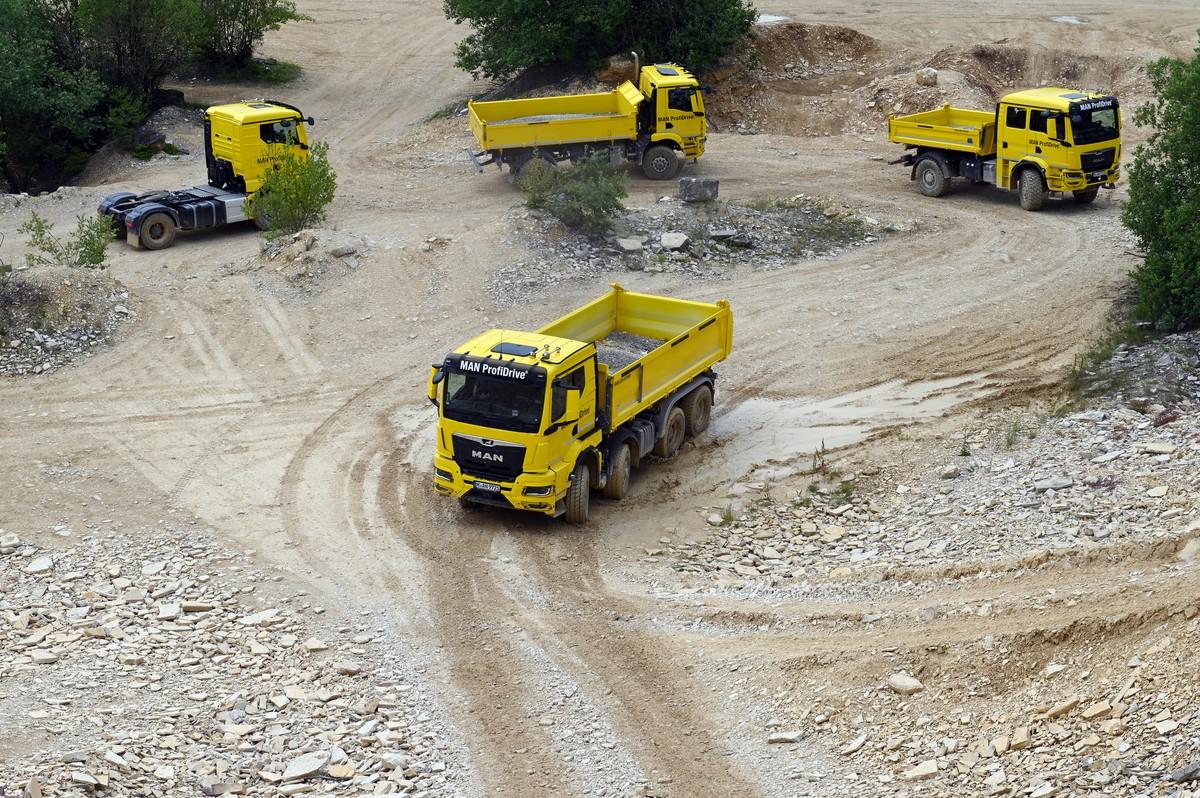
492,402
1094,121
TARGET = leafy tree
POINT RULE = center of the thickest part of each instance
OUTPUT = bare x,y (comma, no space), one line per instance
86,248
585,197
232,28
1163,210
135,44
515,35
296,191
47,112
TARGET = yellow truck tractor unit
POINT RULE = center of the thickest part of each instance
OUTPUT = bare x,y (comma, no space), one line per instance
655,124
1037,142
537,420
241,141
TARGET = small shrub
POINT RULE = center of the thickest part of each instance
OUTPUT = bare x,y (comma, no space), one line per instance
125,114
585,197
296,192
85,248
171,149
144,153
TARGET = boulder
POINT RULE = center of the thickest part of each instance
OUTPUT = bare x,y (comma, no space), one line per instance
698,189
146,136
927,77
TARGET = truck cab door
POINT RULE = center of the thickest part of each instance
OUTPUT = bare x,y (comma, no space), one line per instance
572,410
1012,140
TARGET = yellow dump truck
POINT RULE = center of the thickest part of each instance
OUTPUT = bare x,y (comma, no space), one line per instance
653,124
1036,142
537,420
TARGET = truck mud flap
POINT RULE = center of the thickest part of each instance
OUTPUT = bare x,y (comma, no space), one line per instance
479,164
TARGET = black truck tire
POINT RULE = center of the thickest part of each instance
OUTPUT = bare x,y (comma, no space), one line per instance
930,178
618,480
697,409
524,169
1031,189
158,231
660,162
578,494
673,435
1085,196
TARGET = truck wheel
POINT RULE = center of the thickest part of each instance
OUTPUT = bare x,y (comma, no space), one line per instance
931,179
525,170
618,480
673,437
1032,190
660,162
1086,196
697,409
262,221
578,493
158,231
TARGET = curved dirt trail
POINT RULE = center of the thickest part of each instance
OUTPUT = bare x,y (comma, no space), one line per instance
295,424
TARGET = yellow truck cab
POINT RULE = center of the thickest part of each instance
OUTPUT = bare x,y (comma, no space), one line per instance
654,124
241,142
1038,141
537,420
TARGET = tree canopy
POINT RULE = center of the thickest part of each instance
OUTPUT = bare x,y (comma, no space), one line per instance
1163,209
515,35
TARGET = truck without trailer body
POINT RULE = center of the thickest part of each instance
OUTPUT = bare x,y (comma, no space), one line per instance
536,421
241,142
653,124
1037,142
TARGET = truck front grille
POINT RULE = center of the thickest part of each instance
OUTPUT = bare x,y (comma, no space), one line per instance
489,459
1098,160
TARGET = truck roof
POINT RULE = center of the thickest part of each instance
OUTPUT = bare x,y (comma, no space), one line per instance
669,75
252,112
520,347
1053,98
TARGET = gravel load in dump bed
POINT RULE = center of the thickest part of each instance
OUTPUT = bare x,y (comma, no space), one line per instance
529,120
620,349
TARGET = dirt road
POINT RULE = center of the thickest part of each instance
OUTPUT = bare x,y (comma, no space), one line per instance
294,422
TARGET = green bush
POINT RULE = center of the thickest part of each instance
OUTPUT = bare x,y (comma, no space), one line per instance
295,193
512,36
86,248
1163,209
585,197
136,44
233,28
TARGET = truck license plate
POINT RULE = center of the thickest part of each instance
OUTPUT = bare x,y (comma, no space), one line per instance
488,486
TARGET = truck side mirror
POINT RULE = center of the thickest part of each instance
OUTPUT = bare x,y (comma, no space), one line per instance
436,375
310,122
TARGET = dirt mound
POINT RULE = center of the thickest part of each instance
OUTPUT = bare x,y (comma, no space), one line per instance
51,315
796,49
825,80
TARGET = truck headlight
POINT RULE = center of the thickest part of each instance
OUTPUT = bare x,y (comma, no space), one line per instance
443,475
543,490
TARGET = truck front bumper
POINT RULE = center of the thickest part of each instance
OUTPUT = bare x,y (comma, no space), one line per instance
537,492
1078,181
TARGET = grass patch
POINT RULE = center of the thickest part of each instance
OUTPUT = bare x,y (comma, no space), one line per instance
144,153
271,72
171,149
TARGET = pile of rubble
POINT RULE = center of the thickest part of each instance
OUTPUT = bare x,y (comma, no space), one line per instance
1083,725
1123,471
156,664
699,240
50,316
310,255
